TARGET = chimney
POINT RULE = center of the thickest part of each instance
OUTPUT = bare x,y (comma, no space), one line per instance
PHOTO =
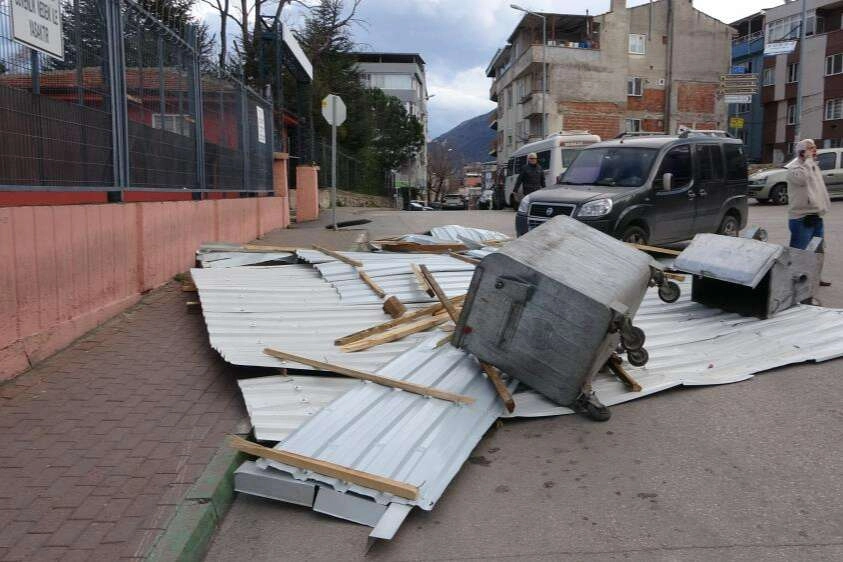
618,5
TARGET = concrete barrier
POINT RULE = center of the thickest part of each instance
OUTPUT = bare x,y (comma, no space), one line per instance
65,269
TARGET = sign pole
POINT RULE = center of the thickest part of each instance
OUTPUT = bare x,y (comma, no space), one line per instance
334,162
797,130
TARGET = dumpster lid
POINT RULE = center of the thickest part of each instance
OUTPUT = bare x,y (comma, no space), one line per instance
736,260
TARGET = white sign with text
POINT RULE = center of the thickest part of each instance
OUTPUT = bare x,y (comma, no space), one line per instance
37,24
261,126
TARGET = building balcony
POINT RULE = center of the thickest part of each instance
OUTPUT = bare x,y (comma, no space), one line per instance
748,45
532,106
493,121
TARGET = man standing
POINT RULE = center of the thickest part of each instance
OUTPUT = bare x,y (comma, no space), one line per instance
808,196
530,179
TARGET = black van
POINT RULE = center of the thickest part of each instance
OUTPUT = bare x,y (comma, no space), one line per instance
650,189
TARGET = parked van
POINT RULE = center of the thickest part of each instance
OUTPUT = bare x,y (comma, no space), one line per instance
555,153
650,190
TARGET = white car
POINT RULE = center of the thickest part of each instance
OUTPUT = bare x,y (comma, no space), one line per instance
770,186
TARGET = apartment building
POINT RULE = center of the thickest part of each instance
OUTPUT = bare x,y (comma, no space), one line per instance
653,67
401,75
748,58
822,78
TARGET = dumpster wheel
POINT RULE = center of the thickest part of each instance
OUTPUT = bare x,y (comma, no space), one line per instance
637,357
632,337
669,292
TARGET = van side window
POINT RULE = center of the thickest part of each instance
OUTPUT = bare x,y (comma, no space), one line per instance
735,162
678,163
709,162
544,159
827,160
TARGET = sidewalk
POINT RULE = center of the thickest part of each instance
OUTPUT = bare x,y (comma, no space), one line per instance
100,442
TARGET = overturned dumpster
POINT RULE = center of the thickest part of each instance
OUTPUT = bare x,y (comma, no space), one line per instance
551,307
750,277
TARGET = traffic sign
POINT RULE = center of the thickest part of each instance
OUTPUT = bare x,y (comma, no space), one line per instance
333,110
731,84
736,122
738,98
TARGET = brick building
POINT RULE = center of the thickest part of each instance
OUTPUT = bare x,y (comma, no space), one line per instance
626,69
822,78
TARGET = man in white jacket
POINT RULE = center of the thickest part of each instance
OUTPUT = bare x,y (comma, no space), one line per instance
808,197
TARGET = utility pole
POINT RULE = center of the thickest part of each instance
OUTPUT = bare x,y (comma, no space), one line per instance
797,131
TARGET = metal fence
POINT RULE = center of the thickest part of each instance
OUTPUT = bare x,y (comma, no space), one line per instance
350,170
132,106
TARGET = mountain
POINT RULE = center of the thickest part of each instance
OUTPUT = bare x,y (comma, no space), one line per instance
470,139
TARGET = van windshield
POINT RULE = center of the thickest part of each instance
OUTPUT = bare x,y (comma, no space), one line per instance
614,167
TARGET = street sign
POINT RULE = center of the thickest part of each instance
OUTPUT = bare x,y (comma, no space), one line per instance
738,70
37,24
334,114
731,84
736,122
739,98
779,48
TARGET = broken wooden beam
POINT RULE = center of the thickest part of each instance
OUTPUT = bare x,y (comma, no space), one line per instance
397,333
466,259
616,366
385,381
371,283
367,479
495,376
338,256
409,317
440,294
394,307
425,286
655,250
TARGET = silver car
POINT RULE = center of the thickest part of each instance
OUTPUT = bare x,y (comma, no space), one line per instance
770,186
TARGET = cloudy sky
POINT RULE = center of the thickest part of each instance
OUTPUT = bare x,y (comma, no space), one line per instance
457,39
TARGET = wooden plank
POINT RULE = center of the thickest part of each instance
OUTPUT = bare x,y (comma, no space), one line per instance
385,381
260,248
655,250
371,283
394,307
367,479
674,276
396,334
466,259
616,366
338,256
495,376
440,294
421,280
409,317
414,247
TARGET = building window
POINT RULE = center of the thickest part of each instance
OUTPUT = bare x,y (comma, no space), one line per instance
792,72
788,28
509,141
633,125
637,44
769,77
635,86
834,109
743,108
791,115
834,64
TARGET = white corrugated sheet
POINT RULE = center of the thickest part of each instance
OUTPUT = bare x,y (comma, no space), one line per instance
240,259
406,437
277,405
456,233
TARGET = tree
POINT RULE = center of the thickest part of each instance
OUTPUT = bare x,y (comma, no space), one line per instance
441,170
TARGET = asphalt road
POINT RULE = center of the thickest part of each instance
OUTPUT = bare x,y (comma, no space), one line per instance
749,471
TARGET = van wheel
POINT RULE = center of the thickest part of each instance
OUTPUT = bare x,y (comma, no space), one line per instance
729,226
778,194
634,235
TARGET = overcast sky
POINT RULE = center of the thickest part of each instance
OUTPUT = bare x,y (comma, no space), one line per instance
457,39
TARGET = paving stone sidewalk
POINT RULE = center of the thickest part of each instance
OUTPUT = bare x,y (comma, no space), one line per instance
100,443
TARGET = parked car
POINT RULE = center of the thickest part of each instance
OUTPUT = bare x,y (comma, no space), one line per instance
454,202
770,186
419,206
555,153
649,190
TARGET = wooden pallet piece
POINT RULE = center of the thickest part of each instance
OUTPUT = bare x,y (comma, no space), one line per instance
385,381
396,334
409,317
440,294
338,256
367,479
616,366
500,387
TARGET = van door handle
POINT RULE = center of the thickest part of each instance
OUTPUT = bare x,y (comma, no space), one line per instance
702,193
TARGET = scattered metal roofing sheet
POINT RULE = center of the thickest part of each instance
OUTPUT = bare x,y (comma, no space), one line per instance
277,405
240,259
398,435
456,233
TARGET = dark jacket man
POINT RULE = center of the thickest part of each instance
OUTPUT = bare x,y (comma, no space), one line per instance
531,177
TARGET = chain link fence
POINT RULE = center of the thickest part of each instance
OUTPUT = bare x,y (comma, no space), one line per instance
132,106
350,170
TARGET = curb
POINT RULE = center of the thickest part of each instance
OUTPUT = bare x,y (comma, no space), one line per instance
189,532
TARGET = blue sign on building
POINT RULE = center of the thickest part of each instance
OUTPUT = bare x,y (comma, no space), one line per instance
738,69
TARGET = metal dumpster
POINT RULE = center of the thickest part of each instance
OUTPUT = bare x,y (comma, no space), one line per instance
551,307
750,277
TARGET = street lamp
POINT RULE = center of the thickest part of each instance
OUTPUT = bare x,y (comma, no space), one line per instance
544,62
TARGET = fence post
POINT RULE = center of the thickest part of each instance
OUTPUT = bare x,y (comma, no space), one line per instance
198,114
117,91
244,118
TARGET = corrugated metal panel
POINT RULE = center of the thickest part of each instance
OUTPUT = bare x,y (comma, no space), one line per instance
277,405
398,435
240,259
456,233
